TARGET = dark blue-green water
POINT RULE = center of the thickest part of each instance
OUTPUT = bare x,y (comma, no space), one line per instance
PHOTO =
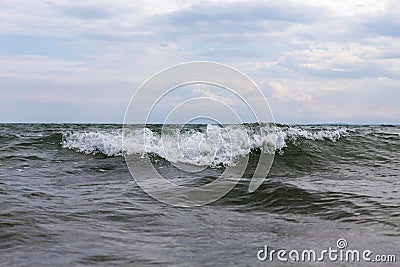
68,199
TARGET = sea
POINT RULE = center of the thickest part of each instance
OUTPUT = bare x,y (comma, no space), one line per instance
68,198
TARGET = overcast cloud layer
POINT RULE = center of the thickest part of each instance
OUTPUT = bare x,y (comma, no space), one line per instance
315,61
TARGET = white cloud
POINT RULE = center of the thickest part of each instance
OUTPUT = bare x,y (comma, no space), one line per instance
211,95
282,93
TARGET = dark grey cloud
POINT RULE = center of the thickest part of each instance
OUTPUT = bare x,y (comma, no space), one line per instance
245,12
239,21
386,22
83,10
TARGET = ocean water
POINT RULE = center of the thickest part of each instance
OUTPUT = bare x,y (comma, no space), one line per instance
68,199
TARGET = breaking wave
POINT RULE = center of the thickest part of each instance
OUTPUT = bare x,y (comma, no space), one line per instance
204,145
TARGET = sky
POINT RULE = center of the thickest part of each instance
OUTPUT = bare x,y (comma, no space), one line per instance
315,61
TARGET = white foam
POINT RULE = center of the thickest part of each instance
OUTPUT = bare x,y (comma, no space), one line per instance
292,134
212,147
92,142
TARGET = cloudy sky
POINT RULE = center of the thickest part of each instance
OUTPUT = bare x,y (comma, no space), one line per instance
315,61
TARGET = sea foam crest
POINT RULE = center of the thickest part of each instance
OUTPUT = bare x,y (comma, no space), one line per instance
213,146
292,134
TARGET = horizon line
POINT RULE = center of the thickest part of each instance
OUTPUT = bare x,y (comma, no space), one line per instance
158,123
